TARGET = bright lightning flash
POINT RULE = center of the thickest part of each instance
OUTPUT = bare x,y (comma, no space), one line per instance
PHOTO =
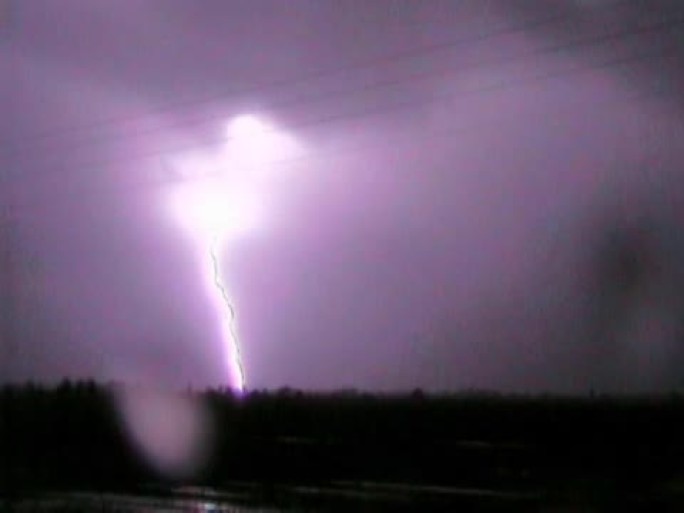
219,206
215,214
228,317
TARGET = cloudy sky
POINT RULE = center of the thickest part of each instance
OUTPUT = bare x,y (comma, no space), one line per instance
481,194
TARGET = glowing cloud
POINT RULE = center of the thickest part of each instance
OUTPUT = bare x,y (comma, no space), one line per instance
210,209
252,144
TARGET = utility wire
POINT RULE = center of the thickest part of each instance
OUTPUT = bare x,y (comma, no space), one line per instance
389,143
420,51
592,41
368,111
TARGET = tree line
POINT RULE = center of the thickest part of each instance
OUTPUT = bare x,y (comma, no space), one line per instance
72,436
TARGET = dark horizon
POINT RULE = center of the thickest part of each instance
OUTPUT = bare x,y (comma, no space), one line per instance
288,391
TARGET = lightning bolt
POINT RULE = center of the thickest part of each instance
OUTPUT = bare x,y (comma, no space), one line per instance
229,315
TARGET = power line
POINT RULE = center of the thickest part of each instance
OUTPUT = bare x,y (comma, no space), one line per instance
430,136
419,51
444,72
395,107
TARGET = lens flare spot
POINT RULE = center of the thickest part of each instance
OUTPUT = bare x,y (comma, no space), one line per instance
171,431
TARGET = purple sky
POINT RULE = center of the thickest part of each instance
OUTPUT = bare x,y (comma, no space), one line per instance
490,196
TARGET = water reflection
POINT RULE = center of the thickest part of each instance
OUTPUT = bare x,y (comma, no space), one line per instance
252,498
82,503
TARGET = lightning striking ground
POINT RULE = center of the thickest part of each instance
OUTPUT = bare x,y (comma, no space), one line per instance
218,200
229,316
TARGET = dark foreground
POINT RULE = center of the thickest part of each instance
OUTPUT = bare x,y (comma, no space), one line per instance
71,448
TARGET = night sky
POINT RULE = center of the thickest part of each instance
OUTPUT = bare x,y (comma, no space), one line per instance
482,194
